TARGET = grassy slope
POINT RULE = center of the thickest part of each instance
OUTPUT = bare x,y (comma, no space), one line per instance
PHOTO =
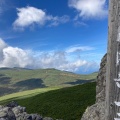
17,79
66,103
27,93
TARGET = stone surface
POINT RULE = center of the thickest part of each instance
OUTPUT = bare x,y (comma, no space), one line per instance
13,111
97,111
6,113
101,81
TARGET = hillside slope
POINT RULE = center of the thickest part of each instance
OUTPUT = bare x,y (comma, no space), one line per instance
17,79
66,103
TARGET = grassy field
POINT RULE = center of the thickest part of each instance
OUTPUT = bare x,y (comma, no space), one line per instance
66,103
25,94
17,79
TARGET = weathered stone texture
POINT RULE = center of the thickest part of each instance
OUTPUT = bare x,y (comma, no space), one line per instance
13,111
101,81
97,111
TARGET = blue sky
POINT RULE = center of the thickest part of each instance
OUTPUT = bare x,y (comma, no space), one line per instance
69,35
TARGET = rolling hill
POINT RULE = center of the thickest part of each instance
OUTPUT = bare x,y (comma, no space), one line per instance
19,79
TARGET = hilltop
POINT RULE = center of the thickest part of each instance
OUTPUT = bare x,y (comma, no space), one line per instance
20,79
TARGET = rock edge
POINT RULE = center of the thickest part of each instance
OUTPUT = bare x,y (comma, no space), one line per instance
13,111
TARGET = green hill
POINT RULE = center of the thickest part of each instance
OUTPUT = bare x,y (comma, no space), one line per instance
66,103
19,79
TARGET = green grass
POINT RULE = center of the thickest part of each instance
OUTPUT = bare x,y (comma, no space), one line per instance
48,92
14,80
28,93
66,103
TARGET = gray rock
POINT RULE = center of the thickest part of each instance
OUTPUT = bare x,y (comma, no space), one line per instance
6,109
28,117
2,119
13,111
1,106
18,110
11,115
97,111
33,117
3,114
38,118
12,104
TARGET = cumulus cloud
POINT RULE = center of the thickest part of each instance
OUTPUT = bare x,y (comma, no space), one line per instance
89,8
2,44
17,57
13,56
58,60
28,16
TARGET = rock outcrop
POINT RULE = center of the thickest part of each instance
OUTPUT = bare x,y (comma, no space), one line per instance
97,111
13,111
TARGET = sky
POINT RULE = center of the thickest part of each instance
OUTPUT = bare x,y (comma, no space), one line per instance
69,35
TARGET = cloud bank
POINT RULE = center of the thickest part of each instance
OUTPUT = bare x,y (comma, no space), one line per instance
28,16
89,8
17,57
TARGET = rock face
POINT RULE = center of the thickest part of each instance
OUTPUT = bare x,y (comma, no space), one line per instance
97,111
13,111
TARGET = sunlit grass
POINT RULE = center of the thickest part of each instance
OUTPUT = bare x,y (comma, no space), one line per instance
28,93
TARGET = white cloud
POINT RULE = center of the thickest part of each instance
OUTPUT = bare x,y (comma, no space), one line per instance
59,20
79,24
28,16
59,61
78,49
17,57
13,56
2,44
89,8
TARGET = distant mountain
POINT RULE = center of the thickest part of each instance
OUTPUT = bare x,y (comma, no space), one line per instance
20,79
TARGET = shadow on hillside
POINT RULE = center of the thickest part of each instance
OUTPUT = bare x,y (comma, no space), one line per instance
4,80
6,90
1,75
77,82
31,83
